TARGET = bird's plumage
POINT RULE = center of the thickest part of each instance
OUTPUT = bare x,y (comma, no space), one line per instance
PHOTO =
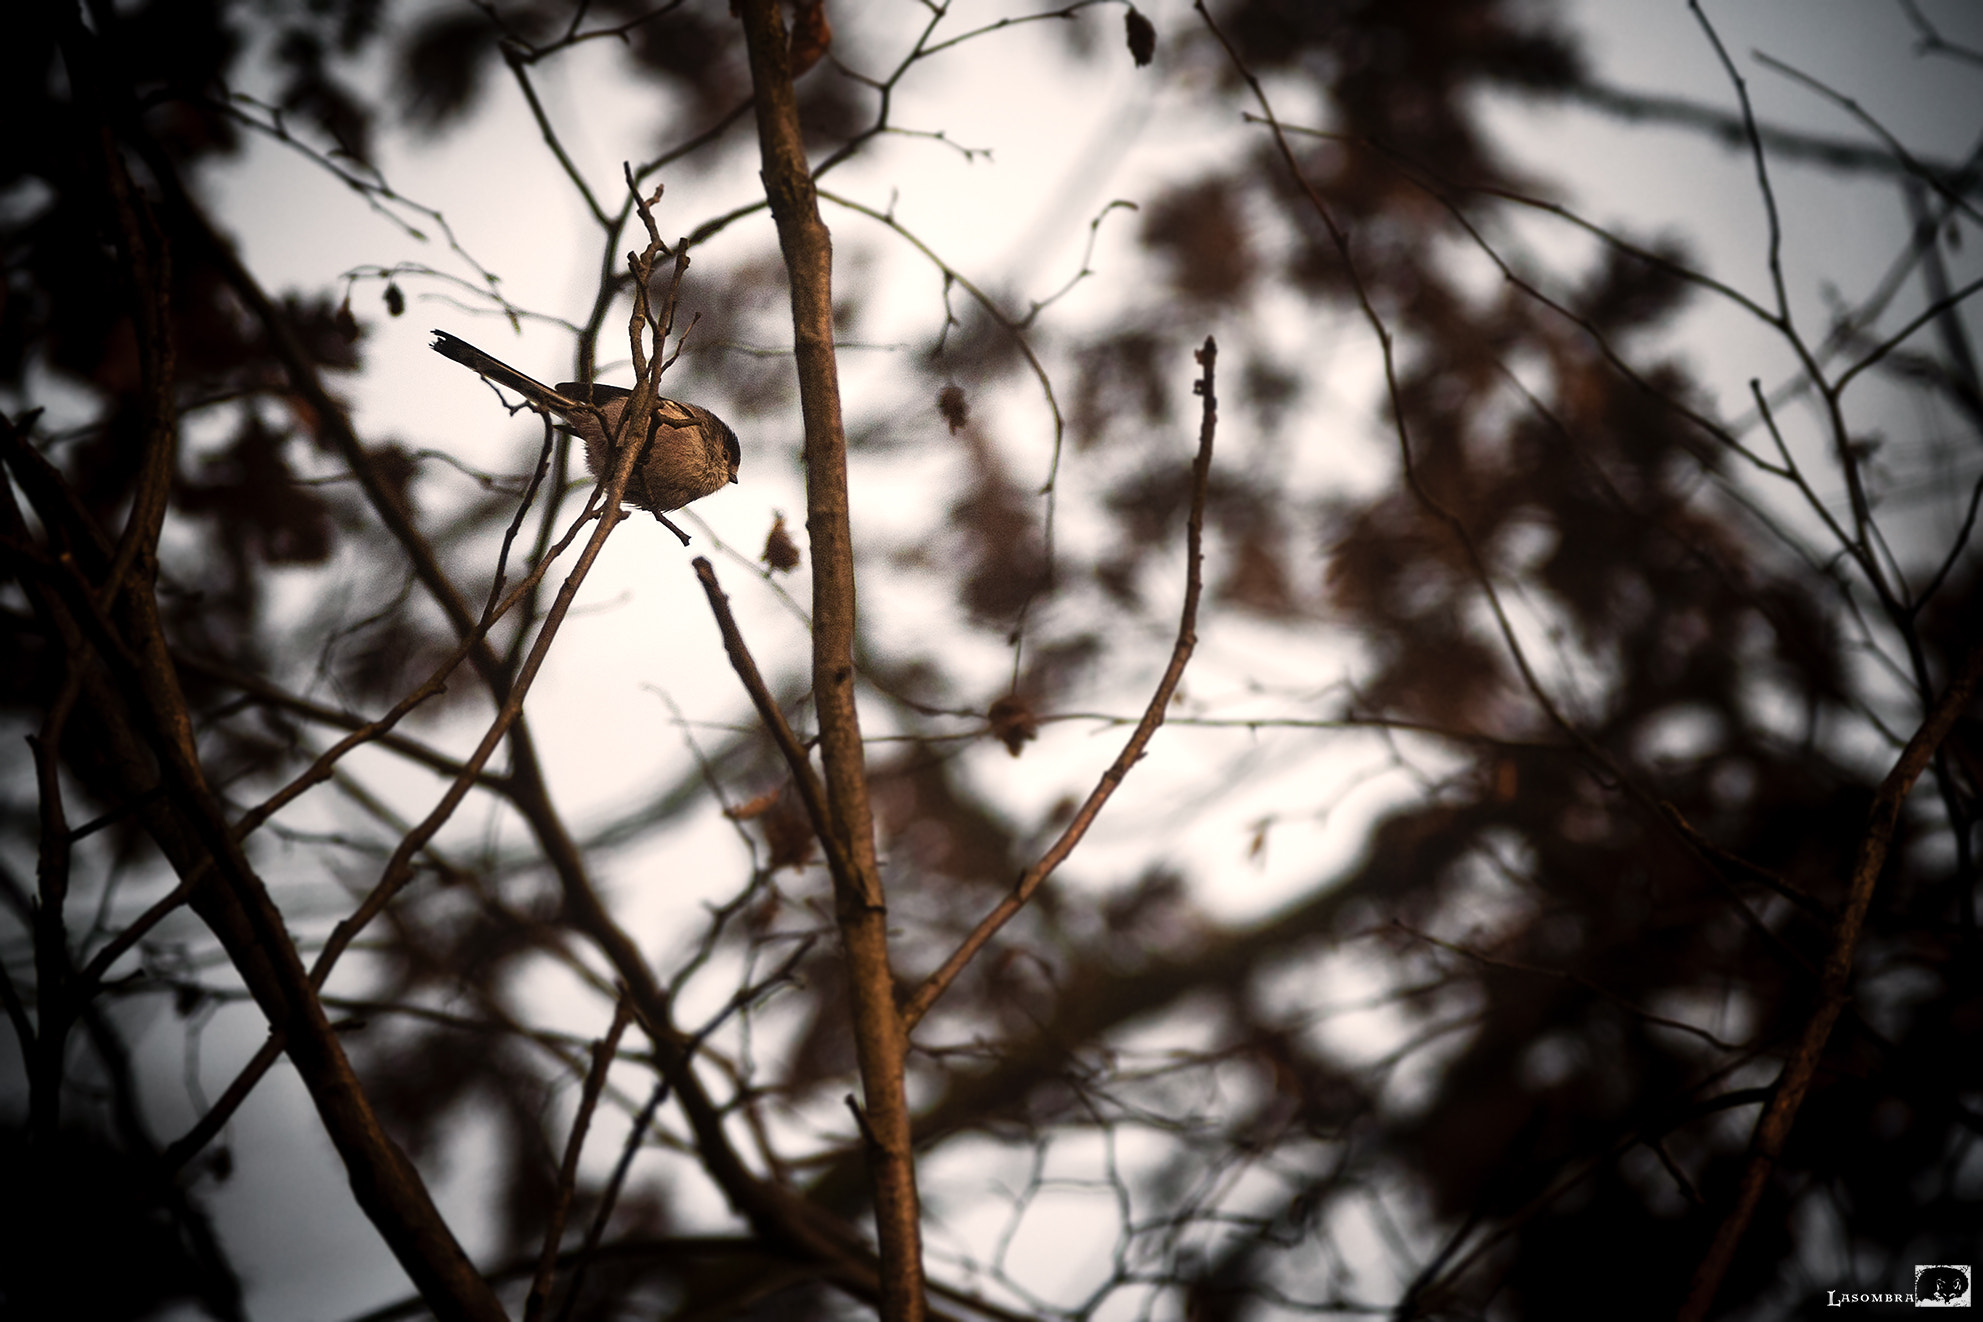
689,451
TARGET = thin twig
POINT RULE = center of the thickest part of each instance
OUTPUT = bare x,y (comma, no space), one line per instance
582,1259
797,760
595,1079
1153,716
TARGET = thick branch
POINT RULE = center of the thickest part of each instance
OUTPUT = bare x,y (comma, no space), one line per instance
136,730
859,905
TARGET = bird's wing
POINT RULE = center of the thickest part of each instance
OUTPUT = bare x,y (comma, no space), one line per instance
674,413
597,395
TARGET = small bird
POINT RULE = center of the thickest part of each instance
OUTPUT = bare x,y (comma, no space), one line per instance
690,452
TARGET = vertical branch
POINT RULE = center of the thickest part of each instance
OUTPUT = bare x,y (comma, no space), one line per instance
808,250
55,983
859,906
603,1052
1773,1127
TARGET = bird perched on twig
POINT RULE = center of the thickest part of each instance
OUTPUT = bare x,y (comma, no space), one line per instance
690,452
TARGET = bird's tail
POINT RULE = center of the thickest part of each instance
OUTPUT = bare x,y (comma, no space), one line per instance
496,370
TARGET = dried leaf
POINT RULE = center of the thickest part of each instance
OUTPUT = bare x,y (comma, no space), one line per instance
812,35
781,553
756,807
347,325
787,832
1258,580
441,66
1142,34
1013,723
1256,847
1201,231
1002,553
954,407
782,819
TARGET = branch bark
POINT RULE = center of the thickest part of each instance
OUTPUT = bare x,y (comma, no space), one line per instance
130,752
859,905
1773,1127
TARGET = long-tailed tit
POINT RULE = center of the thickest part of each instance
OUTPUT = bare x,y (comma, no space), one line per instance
690,452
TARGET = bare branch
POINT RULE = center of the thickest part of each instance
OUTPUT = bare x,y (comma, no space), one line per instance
1773,1127
1132,750
595,1079
859,903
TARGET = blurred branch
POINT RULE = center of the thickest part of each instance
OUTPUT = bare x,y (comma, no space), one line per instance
519,61
366,181
1868,546
1732,132
139,713
143,740
1408,459
399,868
1573,978
1015,327
1937,179
1931,41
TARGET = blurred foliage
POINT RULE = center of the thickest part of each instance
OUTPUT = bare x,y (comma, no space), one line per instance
1647,807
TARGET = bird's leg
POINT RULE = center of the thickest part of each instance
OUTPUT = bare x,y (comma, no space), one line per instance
669,524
